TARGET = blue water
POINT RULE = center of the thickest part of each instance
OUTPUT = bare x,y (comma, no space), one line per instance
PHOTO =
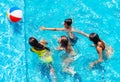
19,64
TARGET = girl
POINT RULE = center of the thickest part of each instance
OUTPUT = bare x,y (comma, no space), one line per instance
104,52
44,54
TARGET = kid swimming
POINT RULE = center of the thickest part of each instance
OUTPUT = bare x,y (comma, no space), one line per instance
67,28
104,51
44,54
68,57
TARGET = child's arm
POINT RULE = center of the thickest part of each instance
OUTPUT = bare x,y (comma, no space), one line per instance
58,48
52,29
99,50
81,32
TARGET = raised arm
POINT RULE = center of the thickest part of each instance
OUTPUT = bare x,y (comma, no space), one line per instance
52,29
81,32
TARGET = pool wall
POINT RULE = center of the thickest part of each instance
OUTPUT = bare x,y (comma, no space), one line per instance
12,45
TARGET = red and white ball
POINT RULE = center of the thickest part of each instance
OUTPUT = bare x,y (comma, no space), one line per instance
14,14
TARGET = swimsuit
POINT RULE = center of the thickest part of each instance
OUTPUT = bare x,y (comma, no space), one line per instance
44,55
73,40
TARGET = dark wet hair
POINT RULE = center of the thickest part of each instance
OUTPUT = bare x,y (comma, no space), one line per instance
94,38
64,42
33,42
68,21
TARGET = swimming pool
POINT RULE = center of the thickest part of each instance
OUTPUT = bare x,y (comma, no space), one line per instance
18,63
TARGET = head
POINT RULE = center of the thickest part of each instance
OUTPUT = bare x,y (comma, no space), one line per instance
94,38
64,41
34,43
68,22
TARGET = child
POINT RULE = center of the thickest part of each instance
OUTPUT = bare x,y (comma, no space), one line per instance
68,57
104,51
44,54
67,28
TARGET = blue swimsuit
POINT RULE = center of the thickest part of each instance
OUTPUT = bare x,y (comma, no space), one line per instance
73,40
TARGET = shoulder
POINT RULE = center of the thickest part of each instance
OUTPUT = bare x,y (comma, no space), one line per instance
101,44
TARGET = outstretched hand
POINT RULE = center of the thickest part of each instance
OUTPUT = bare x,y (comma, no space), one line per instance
42,28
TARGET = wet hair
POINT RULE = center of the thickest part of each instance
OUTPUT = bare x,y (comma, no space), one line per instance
33,42
68,21
94,38
64,42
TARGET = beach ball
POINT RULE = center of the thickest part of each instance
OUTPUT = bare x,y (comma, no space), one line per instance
14,14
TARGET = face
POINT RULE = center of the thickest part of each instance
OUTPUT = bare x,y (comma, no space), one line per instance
65,25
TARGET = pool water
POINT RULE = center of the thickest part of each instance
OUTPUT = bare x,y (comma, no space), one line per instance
19,64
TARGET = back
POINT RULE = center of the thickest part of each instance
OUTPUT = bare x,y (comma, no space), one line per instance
44,55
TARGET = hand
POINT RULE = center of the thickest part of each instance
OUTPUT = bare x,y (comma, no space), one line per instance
55,48
91,65
42,28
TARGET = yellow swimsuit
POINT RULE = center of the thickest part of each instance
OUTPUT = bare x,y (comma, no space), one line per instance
43,54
